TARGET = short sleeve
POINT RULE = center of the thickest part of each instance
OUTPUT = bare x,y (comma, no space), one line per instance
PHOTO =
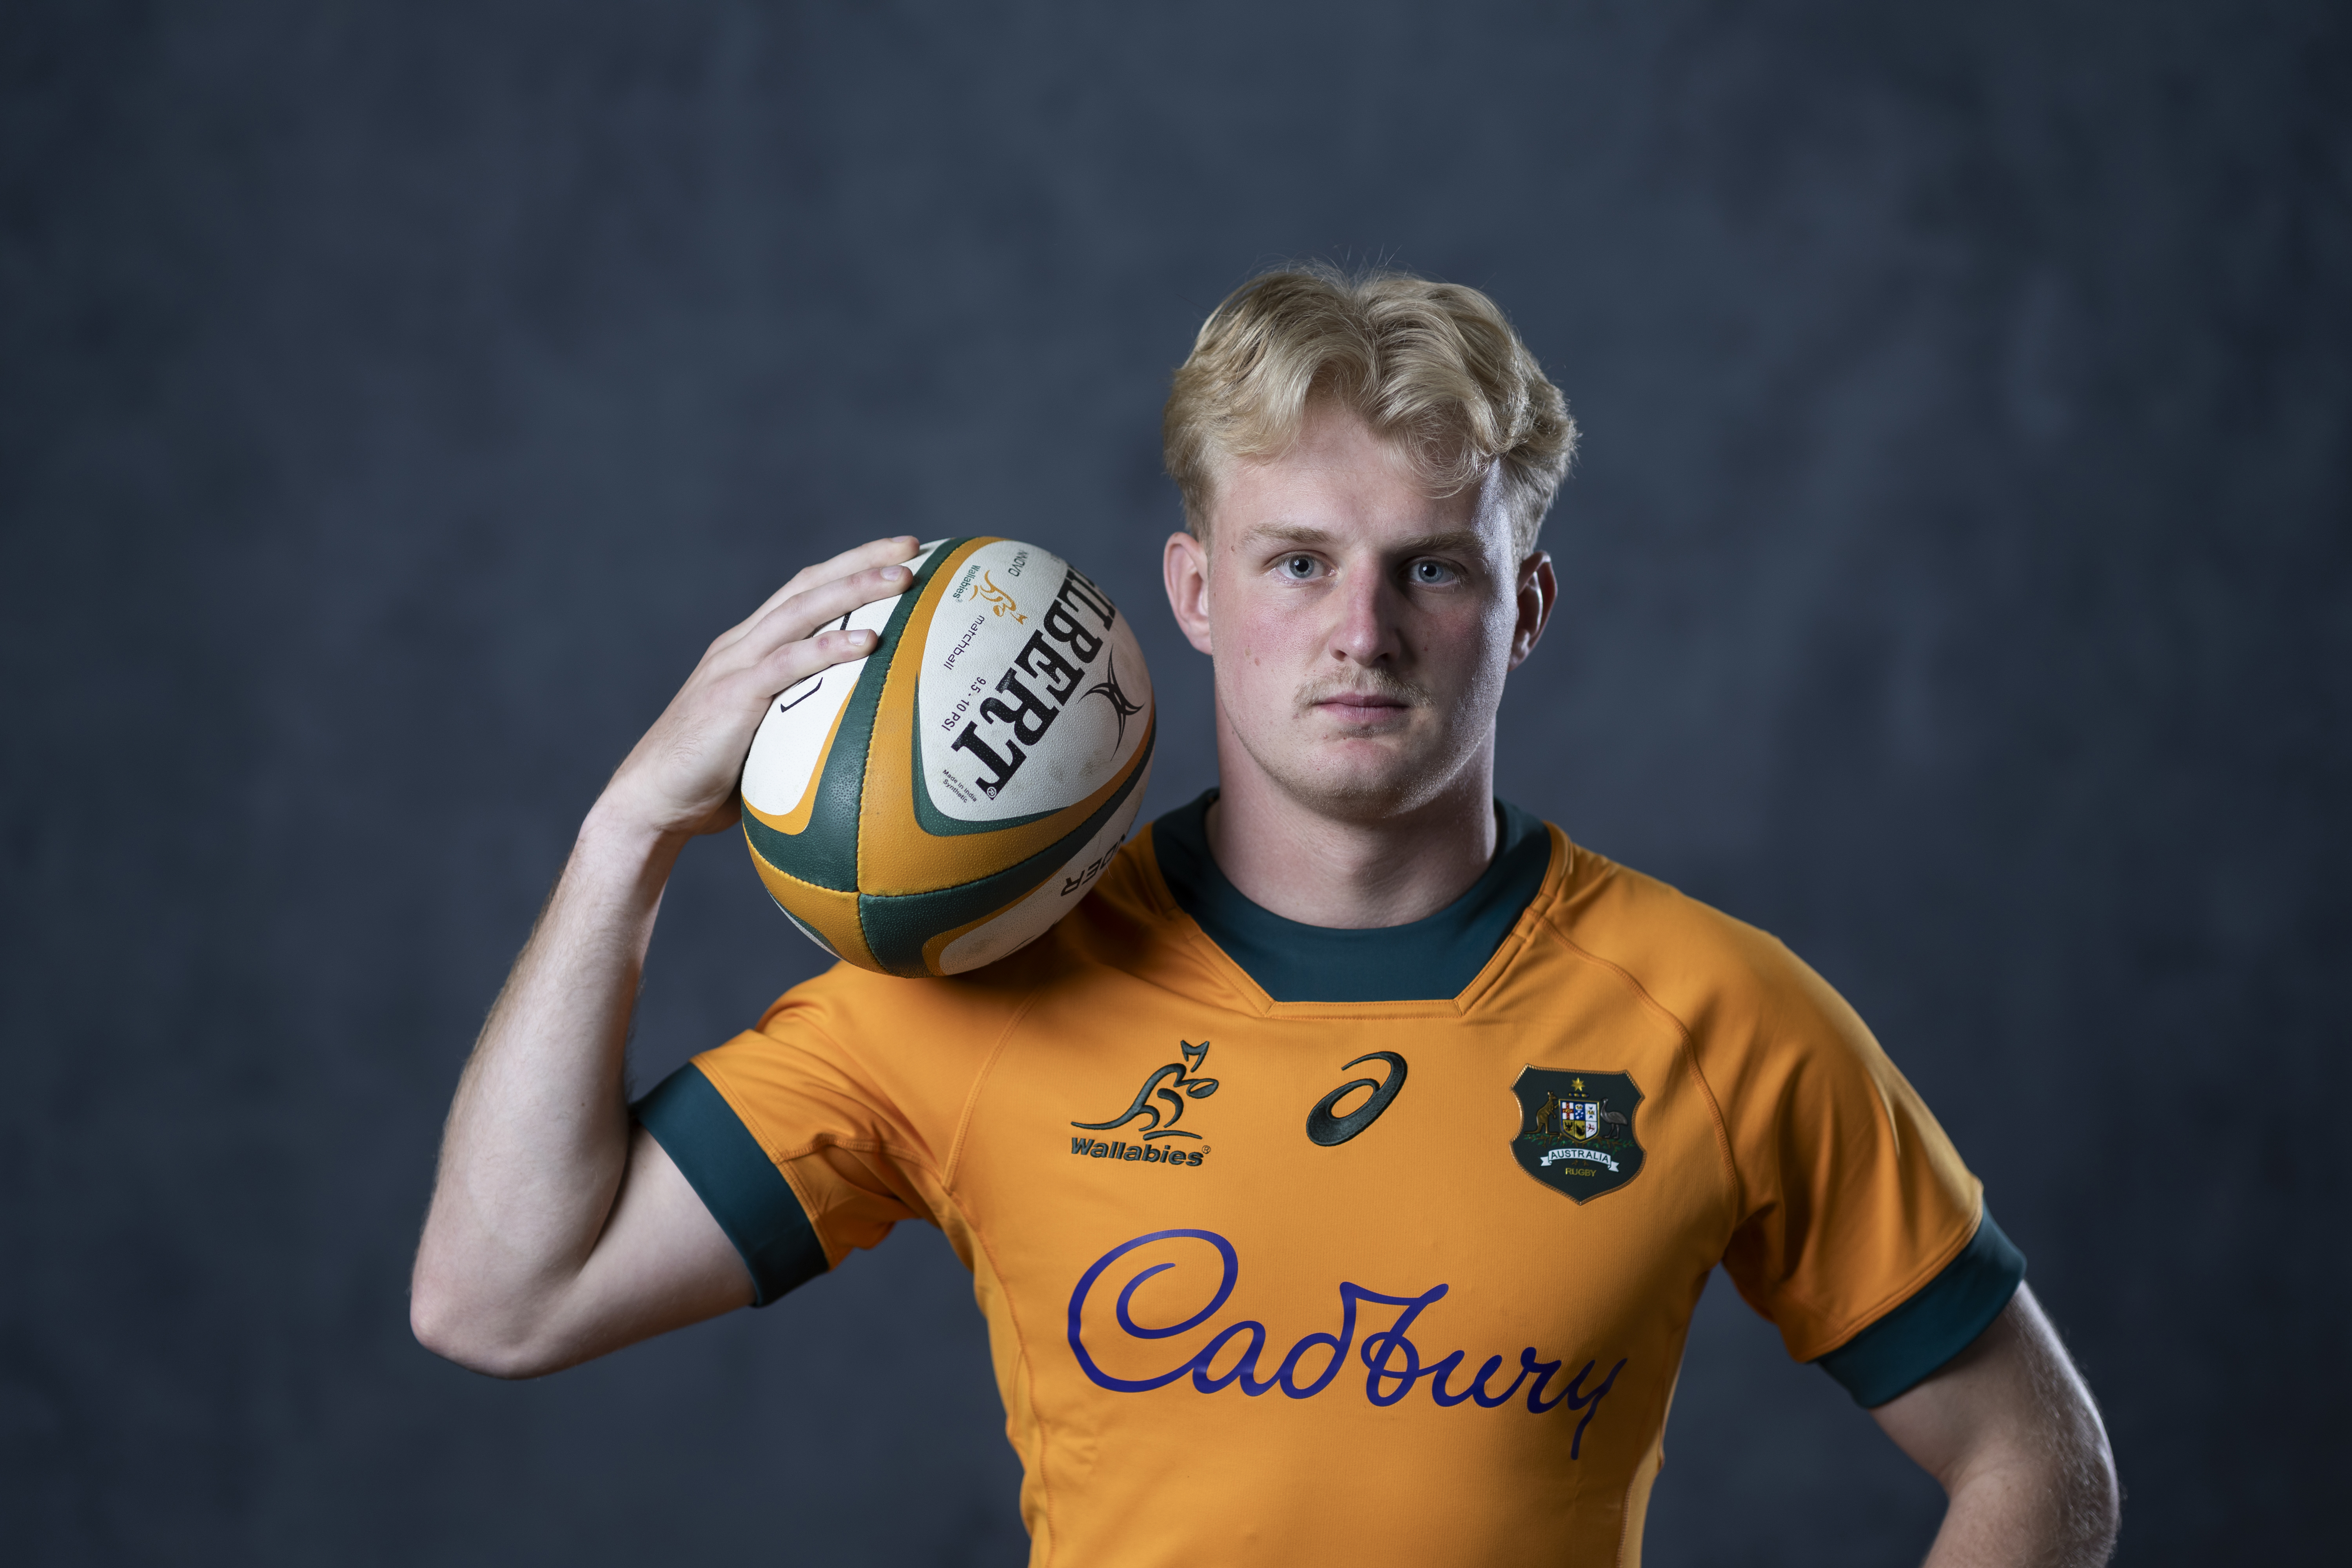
815,1133
744,1190
1858,1211
1943,1318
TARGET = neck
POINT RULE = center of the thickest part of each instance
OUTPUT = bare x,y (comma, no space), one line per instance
1285,855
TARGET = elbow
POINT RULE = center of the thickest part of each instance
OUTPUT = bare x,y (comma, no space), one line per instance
2067,1483
2061,1507
2095,1500
463,1331
2080,1497
2088,1492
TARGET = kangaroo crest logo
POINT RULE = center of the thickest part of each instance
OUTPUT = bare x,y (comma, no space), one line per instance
998,600
1576,1131
1162,1086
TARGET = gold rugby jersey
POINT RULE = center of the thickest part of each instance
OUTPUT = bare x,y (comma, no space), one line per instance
1380,1247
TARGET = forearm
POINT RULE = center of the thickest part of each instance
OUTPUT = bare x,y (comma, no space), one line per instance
537,1140
549,1240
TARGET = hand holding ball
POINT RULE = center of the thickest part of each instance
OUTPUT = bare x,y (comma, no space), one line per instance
941,801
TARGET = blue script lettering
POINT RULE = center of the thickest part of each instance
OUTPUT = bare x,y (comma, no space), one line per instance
1392,1363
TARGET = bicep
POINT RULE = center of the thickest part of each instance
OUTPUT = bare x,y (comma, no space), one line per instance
2010,1397
2009,1428
661,1263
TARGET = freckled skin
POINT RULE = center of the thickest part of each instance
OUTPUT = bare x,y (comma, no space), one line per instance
1366,628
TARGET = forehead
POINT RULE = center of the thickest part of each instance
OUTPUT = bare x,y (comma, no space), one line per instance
1342,481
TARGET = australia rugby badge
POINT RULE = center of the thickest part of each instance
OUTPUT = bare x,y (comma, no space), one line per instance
1576,1131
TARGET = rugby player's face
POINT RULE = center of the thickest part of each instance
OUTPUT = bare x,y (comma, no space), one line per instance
1362,627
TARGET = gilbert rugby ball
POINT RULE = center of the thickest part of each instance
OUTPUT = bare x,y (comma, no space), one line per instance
936,805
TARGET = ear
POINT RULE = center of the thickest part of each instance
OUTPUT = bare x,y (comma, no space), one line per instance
1184,565
1538,590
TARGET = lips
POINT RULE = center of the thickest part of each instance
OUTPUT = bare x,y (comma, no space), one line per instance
1379,697
1361,708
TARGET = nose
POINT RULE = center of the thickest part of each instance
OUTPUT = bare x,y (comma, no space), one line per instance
1366,632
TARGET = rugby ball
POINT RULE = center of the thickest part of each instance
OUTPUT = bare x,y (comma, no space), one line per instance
939,803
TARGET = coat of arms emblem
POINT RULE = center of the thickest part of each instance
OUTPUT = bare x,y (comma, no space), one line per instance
1576,1131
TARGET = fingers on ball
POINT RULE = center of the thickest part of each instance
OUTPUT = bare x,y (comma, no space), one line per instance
806,614
848,563
873,554
797,660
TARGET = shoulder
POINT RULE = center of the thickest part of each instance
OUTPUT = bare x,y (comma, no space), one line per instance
1687,955
1722,980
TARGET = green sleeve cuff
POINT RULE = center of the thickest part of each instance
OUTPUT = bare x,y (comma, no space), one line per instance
735,1180
1943,1318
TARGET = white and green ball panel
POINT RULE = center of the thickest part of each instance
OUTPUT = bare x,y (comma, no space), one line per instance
985,917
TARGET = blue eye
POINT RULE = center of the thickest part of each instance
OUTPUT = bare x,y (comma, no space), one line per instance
1429,573
1298,568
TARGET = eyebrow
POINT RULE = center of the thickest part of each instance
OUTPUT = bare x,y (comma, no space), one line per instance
1464,539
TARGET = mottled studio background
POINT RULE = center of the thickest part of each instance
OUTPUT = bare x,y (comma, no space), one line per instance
394,399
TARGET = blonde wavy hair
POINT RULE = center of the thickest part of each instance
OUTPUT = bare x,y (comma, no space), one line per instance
1433,366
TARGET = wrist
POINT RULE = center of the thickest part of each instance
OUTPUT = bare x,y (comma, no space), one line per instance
613,837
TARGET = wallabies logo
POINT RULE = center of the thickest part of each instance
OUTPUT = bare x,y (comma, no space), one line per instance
1162,1086
1576,1131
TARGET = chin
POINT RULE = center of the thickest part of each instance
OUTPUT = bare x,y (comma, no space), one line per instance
1361,788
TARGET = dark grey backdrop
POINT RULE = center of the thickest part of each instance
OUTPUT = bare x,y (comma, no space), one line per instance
394,401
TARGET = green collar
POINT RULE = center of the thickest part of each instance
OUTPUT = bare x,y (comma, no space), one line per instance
1430,959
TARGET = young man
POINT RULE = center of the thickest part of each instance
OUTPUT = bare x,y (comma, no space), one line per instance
1339,1180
